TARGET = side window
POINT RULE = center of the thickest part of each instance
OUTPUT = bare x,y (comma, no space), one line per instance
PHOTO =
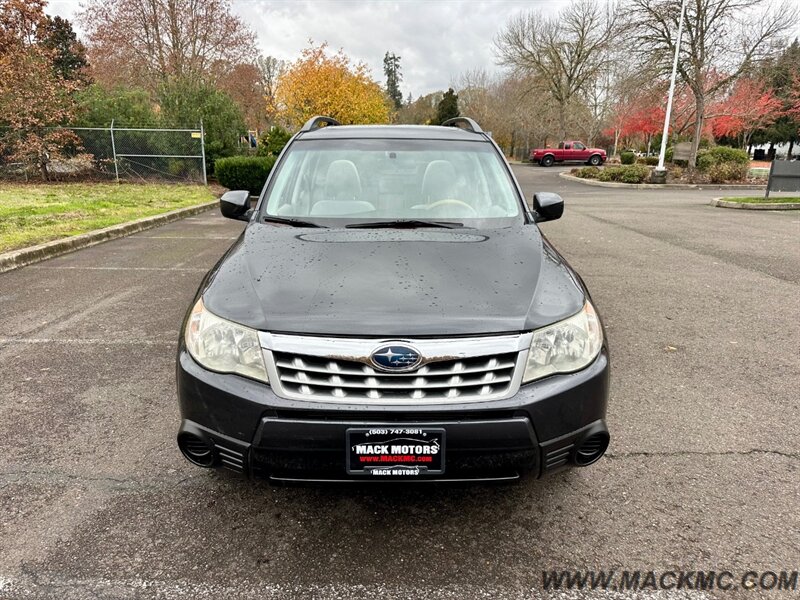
579,146
567,146
561,146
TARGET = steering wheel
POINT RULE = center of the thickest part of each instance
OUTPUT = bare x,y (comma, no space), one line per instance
453,202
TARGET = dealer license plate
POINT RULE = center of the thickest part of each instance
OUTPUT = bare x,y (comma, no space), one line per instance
395,451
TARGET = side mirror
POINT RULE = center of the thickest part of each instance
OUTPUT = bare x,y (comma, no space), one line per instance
236,205
547,206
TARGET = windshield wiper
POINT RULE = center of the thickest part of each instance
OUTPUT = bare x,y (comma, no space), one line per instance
405,223
289,221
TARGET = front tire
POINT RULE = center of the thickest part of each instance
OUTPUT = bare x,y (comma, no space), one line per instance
547,161
595,160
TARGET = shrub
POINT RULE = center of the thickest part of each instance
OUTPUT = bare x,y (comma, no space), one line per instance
722,154
625,174
727,171
627,157
244,172
651,161
587,172
705,161
634,174
273,141
608,173
184,101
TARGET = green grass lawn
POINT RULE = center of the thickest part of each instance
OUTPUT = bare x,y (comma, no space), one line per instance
32,214
760,199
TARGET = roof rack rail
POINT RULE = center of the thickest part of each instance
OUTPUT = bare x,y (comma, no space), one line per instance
316,123
470,124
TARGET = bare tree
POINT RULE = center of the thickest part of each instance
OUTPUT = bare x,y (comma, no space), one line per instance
722,40
149,42
566,52
244,85
271,70
515,109
475,100
527,117
420,111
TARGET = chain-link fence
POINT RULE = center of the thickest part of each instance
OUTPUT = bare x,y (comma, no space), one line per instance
132,154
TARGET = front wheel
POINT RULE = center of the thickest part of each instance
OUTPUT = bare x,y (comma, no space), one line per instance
547,161
595,160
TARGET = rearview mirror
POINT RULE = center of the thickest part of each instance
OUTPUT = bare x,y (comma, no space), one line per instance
236,205
547,206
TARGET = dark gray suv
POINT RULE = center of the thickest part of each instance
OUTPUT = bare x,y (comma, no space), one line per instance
391,311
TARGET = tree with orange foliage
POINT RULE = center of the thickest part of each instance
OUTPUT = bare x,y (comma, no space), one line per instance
34,95
319,83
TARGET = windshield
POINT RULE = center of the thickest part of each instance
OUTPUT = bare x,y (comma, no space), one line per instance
350,181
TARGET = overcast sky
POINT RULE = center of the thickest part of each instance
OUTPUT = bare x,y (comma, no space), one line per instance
436,39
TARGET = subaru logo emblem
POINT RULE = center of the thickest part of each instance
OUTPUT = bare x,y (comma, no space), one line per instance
395,357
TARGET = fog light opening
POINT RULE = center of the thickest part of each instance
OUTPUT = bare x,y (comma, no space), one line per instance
591,449
196,449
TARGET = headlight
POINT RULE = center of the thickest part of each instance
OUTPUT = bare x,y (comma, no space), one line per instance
223,346
566,346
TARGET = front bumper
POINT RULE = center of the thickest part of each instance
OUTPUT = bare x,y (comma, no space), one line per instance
539,430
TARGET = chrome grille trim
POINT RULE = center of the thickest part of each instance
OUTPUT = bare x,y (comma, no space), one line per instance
338,369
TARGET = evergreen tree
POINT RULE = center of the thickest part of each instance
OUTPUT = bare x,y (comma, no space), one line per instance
69,60
447,107
783,75
391,68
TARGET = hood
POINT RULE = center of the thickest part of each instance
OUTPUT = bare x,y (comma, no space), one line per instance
390,282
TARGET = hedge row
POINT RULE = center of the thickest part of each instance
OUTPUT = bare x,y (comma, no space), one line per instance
714,156
721,155
244,172
622,174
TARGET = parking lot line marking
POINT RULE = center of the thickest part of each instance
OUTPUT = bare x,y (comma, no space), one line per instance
191,269
88,341
183,237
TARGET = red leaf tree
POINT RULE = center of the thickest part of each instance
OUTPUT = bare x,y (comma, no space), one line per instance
750,106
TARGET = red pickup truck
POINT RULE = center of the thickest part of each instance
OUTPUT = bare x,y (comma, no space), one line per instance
568,151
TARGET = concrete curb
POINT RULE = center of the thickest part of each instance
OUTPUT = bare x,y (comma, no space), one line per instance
33,254
752,206
661,186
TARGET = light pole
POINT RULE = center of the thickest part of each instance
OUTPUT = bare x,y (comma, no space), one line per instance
660,170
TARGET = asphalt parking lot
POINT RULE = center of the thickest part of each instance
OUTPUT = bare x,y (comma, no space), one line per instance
703,472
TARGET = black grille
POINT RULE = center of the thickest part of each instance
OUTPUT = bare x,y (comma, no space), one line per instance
553,459
230,458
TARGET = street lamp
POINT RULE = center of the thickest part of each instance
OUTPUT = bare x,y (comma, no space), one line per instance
660,171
